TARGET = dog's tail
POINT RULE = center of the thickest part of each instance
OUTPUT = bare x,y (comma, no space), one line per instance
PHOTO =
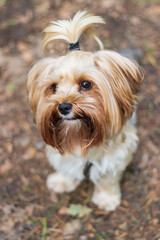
71,30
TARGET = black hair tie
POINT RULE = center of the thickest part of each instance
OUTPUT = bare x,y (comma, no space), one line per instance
74,46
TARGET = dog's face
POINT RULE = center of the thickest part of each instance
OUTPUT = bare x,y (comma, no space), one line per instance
82,99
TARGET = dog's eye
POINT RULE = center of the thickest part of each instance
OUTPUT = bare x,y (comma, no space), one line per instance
54,87
85,85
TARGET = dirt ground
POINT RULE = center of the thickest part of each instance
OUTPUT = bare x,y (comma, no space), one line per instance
27,209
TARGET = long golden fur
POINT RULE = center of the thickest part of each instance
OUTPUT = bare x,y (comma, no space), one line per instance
98,114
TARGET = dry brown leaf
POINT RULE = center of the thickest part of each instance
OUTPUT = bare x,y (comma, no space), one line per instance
30,153
7,166
72,227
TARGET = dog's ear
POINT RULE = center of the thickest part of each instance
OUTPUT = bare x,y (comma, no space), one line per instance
36,81
125,78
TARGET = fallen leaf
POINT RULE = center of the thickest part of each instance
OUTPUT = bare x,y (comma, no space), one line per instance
63,210
78,210
7,166
123,226
29,154
9,147
71,227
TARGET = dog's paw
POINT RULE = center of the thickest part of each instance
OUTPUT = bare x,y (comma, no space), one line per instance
106,201
60,183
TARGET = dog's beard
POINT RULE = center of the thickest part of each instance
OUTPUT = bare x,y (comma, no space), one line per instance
75,135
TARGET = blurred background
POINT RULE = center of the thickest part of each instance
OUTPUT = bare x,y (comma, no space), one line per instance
27,209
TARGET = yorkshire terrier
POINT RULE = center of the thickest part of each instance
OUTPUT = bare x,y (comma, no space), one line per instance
84,106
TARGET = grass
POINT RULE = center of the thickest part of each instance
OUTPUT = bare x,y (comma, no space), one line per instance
143,2
6,174
149,56
55,207
44,228
148,48
2,2
27,189
12,22
134,219
150,111
43,221
10,87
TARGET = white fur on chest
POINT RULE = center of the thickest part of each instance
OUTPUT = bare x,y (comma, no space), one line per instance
108,158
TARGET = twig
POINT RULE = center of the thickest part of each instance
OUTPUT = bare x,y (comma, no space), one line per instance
33,231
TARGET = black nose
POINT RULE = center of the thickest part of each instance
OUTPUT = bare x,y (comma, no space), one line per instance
65,108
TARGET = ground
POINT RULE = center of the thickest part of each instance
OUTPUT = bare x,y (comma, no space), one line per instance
27,209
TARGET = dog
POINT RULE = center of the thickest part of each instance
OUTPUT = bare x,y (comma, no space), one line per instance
84,106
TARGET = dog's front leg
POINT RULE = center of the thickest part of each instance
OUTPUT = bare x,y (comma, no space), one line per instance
107,193
59,182
69,171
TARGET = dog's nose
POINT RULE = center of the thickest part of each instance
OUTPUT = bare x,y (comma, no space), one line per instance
65,108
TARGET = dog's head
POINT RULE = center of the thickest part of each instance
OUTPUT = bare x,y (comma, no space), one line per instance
82,99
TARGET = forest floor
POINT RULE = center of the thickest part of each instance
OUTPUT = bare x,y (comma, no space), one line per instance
27,209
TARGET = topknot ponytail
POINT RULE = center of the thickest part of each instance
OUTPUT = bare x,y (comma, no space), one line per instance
71,30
